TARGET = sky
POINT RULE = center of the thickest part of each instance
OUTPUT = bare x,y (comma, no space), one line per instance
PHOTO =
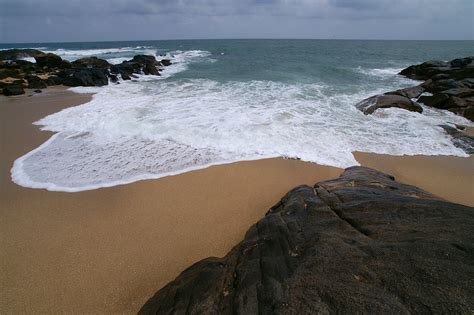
28,21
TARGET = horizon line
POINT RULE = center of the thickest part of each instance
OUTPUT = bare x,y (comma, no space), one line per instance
205,39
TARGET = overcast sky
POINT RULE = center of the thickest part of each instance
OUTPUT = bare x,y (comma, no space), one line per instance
98,20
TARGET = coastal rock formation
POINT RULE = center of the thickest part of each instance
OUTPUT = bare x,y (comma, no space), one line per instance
17,54
460,139
371,104
362,243
448,85
51,69
451,84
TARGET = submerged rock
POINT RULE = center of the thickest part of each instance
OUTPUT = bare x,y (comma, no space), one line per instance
371,104
362,243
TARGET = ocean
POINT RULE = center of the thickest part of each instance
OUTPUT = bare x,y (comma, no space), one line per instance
231,100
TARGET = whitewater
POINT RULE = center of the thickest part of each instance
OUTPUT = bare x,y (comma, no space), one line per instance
204,111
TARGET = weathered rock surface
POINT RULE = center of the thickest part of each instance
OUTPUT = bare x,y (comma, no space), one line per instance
371,104
362,243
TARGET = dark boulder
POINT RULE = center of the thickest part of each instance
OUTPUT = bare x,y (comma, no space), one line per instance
84,77
437,100
457,68
35,82
54,80
359,244
371,104
13,89
15,54
166,62
461,62
90,62
459,92
140,64
49,60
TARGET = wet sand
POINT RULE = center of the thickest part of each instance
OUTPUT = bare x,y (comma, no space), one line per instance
108,250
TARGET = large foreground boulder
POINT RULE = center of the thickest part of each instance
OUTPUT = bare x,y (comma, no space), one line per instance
359,244
371,104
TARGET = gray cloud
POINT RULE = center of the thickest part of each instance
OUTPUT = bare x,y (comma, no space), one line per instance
59,20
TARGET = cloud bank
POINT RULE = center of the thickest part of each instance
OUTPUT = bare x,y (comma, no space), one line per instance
91,20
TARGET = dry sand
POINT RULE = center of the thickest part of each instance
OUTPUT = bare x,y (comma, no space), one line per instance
449,177
108,250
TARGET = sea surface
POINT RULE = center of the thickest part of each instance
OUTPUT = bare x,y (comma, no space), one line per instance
230,100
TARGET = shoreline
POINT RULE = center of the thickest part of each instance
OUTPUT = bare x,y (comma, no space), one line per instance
109,250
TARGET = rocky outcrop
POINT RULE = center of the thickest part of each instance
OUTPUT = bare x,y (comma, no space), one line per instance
84,77
457,69
362,243
51,69
51,61
451,84
371,104
460,139
91,62
16,54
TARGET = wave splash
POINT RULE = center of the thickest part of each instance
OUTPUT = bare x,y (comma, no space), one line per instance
150,129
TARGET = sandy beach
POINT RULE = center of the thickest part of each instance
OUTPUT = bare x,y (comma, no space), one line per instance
109,250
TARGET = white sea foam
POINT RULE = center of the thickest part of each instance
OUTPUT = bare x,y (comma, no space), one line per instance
155,127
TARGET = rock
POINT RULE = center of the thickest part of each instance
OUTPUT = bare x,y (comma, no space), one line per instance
371,104
359,244
9,73
38,91
54,80
35,82
460,139
13,89
166,62
459,92
84,77
90,62
436,100
49,60
15,54
461,62
412,92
